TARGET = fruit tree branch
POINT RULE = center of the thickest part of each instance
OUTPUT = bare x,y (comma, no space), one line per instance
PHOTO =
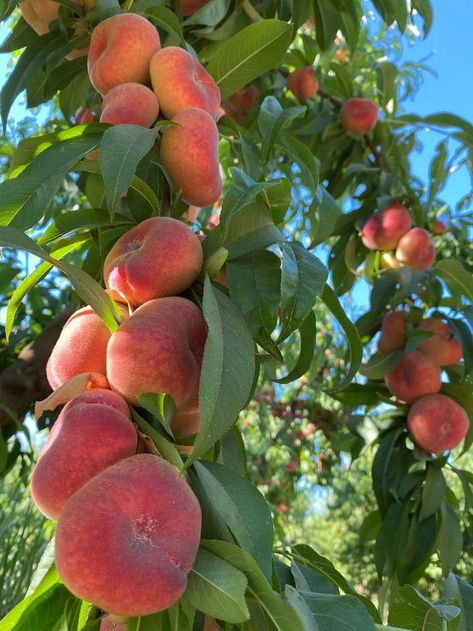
24,381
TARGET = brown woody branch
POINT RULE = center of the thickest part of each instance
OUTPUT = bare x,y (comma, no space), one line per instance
24,382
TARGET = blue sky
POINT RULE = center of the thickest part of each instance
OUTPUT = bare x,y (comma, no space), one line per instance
449,44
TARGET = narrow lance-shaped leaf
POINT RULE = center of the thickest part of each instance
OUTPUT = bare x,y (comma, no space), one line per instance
87,288
249,54
122,147
303,277
355,347
227,371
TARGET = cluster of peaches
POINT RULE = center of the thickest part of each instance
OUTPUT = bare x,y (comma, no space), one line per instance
128,523
391,232
436,422
124,58
357,115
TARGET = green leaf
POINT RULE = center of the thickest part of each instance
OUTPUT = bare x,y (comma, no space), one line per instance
26,69
271,119
327,22
433,492
87,288
338,613
412,611
303,156
166,19
73,220
424,8
250,53
254,282
450,539
303,277
242,192
349,21
217,588
122,147
227,371
21,35
379,365
242,508
344,79
308,334
24,199
458,589
355,347
296,601
386,78
161,406
456,277
39,612
275,613
33,279
438,171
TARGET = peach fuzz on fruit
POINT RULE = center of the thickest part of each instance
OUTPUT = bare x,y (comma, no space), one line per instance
414,376
188,7
92,432
442,347
159,257
160,349
128,538
180,82
121,48
130,103
393,332
383,230
416,249
81,347
437,423
302,82
189,151
359,115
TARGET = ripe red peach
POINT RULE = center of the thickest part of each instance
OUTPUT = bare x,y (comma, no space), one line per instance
189,151
92,432
437,423
211,625
303,83
160,349
39,13
383,230
108,624
244,100
442,347
128,538
414,376
439,227
416,249
120,51
188,7
159,257
130,103
393,332
359,115
81,347
180,82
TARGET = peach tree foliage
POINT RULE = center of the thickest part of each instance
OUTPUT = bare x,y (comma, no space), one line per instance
295,183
